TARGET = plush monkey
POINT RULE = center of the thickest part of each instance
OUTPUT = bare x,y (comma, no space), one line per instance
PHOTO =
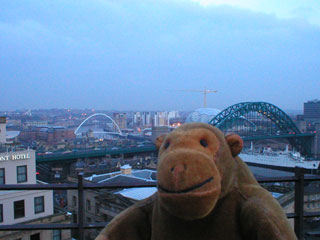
205,191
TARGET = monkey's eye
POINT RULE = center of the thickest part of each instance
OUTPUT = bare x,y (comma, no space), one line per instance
204,143
166,145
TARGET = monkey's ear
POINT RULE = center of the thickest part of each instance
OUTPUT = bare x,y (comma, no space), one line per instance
235,144
159,140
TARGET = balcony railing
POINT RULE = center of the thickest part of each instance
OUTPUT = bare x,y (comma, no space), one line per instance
298,215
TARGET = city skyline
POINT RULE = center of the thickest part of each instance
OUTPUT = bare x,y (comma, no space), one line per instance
127,55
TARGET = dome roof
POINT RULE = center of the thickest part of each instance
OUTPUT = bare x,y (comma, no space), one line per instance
203,115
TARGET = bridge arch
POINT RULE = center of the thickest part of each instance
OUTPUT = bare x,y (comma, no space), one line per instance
98,114
270,111
284,125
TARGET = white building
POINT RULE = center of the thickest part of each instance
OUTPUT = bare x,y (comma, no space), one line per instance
142,119
173,114
19,206
7,137
146,119
137,119
34,206
3,130
161,119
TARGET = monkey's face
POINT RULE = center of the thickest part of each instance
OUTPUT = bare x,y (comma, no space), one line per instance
189,181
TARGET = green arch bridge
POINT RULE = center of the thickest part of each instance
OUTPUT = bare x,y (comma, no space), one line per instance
262,120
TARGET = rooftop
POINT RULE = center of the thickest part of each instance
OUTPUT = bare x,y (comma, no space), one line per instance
203,115
314,101
138,193
139,176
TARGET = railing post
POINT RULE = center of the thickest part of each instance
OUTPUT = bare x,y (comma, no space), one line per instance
299,203
80,207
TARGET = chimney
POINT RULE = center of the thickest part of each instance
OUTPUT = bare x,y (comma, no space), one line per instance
126,169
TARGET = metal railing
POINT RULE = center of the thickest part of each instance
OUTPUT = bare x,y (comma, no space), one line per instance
299,178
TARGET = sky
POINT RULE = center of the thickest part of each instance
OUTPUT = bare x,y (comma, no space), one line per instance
143,54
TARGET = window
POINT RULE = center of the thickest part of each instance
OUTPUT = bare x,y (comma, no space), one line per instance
35,236
89,220
75,217
21,174
106,218
56,234
2,176
88,205
1,213
97,208
39,204
18,207
74,201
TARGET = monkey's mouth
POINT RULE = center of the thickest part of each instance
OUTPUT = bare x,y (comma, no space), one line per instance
189,189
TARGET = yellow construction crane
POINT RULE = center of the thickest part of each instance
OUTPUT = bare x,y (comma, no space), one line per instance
205,91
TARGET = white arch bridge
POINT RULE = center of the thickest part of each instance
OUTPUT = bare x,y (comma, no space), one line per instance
98,114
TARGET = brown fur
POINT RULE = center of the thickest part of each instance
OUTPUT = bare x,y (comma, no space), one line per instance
205,191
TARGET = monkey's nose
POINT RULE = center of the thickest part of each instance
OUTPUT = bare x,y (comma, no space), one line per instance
178,170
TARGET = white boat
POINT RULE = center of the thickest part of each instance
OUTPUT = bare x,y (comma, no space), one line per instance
285,158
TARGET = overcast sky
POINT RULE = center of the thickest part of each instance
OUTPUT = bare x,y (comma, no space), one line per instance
136,55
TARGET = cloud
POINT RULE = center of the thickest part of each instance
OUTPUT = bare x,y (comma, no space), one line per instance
31,37
247,4
286,9
125,54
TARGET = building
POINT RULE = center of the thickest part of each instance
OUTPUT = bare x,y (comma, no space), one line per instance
121,120
3,130
47,134
36,123
103,205
158,131
146,119
174,119
204,115
316,143
311,201
311,123
161,119
311,110
142,119
32,207
137,119
173,114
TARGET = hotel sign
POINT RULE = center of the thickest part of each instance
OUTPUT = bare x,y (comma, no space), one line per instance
15,157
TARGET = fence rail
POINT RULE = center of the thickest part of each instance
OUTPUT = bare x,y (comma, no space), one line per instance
299,178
